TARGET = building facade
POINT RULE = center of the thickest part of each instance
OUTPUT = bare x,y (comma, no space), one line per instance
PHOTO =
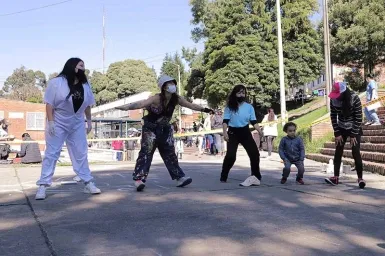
24,117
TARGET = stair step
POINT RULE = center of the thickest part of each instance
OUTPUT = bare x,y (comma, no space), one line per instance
364,146
371,127
376,132
368,166
373,139
366,155
369,139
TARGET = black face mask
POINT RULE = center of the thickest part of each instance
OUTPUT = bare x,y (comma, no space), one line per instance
240,99
80,73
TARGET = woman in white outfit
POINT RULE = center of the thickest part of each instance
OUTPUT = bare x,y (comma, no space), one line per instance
270,131
200,140
68,99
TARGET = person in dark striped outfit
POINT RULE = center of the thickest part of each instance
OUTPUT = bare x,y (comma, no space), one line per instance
346,117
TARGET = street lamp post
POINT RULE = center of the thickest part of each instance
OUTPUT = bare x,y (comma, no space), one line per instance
281,67
179,91
328,66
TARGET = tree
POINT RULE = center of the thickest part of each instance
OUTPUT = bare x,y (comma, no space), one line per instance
25,84
53,75
357,33
123,78
170,68
103,94
130,77
241,47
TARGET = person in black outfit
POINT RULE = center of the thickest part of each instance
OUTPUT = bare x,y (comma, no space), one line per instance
346,117
237,116
158,133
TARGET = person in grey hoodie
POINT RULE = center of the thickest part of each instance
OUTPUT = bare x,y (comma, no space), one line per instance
292,151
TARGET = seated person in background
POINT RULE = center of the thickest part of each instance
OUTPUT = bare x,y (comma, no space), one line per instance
29,152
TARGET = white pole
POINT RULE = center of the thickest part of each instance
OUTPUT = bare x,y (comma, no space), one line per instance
179,92
328,79
104,39
281,66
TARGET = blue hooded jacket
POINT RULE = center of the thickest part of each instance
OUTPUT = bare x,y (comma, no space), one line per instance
292,149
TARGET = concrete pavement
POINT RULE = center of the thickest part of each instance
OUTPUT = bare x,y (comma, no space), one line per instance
206,218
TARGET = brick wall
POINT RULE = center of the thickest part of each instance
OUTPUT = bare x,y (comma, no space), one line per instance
135,114
16,113
320,130
187,120
338,71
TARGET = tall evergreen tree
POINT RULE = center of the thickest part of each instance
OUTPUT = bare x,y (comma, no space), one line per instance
357,33
241,47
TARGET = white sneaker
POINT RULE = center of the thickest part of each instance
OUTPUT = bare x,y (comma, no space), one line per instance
184,181
251,181
139,184
90,188
375,124
77,179
40,194
368,123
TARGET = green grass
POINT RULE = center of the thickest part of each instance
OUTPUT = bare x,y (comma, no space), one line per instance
306,105
304,131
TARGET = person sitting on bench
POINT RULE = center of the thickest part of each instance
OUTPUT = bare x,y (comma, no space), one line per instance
30,152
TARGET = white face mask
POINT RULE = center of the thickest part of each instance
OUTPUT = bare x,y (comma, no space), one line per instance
171,89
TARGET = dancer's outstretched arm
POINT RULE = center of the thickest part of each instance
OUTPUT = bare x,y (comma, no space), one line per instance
139,104
184,103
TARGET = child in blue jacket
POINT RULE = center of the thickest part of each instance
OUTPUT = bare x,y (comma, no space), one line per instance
292,151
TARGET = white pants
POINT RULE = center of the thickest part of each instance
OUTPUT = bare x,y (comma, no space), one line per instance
76,142
200,144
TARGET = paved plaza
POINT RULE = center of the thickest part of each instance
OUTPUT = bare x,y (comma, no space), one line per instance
206,218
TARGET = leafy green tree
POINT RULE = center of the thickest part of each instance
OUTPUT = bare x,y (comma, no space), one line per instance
170,68
241,47
25,84
357,33
130,77
103,94
122,79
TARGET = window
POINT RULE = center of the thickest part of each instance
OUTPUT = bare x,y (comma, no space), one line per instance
35,121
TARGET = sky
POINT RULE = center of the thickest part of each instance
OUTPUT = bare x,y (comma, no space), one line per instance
44,39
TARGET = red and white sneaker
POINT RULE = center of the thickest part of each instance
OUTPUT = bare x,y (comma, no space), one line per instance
361,183
300,181
332,180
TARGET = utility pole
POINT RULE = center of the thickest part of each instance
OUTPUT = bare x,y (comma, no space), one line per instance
281,67
328,72
104,39
179,92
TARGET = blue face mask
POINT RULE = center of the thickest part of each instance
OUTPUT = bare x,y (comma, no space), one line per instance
171,88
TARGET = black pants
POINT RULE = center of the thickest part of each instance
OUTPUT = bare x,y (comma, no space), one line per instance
157,136
243,136
355,152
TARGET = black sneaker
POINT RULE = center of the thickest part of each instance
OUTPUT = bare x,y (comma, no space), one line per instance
361,183
139,184
332,180
283,180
